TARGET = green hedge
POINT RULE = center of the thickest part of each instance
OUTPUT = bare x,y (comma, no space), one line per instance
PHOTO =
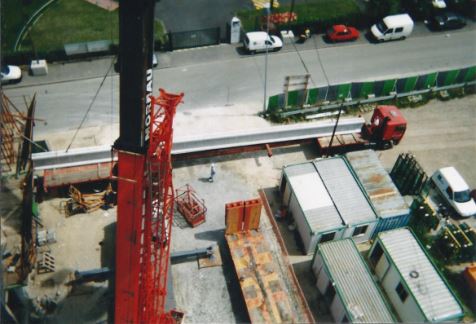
69,21
318,15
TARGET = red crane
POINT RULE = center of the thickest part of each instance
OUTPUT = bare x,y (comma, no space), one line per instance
145,191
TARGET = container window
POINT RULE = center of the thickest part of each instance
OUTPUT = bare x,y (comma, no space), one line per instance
402,292
376,254
360,230
327,237
330,292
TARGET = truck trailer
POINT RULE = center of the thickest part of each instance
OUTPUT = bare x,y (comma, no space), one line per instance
386,128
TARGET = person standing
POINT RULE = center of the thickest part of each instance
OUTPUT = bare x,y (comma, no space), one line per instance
212,172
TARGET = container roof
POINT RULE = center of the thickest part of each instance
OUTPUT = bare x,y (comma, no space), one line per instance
384,195
343,188
420,276
313,198
353,282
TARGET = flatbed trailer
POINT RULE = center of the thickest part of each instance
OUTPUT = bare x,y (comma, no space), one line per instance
342,143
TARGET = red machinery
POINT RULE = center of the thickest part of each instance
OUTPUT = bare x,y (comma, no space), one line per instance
387,127
145,196
144,221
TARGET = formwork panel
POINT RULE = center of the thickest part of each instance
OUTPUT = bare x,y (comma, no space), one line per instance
261,279
252,212
234,217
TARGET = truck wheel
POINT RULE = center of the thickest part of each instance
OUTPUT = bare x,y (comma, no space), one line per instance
252,52
387,145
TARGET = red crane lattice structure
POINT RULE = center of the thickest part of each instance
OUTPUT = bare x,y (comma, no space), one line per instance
145,215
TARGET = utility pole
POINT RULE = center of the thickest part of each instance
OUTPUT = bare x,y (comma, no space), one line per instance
268,9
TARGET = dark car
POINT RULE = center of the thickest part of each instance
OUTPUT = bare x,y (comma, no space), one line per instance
447,20
342,33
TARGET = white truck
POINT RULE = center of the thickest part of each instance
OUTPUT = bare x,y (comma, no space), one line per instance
455,191
259,41
392,27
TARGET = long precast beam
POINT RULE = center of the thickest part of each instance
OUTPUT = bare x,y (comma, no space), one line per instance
194,144
268,135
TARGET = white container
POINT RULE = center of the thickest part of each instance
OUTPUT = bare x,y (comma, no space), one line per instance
39,67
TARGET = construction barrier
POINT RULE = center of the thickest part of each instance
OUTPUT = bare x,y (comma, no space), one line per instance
363,90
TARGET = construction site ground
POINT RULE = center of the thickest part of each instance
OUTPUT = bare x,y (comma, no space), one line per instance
439,134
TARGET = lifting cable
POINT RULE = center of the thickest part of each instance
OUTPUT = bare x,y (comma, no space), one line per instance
90,105
303,63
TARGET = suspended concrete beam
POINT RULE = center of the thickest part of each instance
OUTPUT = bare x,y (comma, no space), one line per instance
222,141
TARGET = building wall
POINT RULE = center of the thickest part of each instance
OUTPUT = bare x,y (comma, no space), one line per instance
301,223
364,237
317,265
389,223
287,192
408,311
322,281
389,278
337,309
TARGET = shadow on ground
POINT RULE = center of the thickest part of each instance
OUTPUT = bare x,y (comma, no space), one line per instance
233,286
316,302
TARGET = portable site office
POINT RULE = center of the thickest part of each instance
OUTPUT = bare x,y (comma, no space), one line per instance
326,202
344,278
391,209
413,285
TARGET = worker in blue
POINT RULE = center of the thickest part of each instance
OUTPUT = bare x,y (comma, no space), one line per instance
212,172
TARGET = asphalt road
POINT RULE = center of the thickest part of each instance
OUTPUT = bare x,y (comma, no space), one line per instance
221,78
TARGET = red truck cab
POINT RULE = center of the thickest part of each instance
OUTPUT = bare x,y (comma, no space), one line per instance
387,126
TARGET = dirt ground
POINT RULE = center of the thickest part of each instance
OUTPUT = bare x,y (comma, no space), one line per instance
439,134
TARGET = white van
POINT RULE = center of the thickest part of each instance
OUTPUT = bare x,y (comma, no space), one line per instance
258,41
392,27
455,191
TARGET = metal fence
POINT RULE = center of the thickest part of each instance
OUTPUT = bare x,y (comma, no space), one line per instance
195,38
373,90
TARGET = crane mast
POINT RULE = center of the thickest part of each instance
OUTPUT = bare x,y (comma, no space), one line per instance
145,191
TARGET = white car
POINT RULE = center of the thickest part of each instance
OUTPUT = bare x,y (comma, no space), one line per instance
440,4
260,42
455,191
11,74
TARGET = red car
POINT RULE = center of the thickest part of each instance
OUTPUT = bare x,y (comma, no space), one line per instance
342,33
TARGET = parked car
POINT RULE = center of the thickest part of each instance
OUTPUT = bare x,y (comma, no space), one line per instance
342,33
259,41
447,20
440,4
455,191
11,74
392,27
